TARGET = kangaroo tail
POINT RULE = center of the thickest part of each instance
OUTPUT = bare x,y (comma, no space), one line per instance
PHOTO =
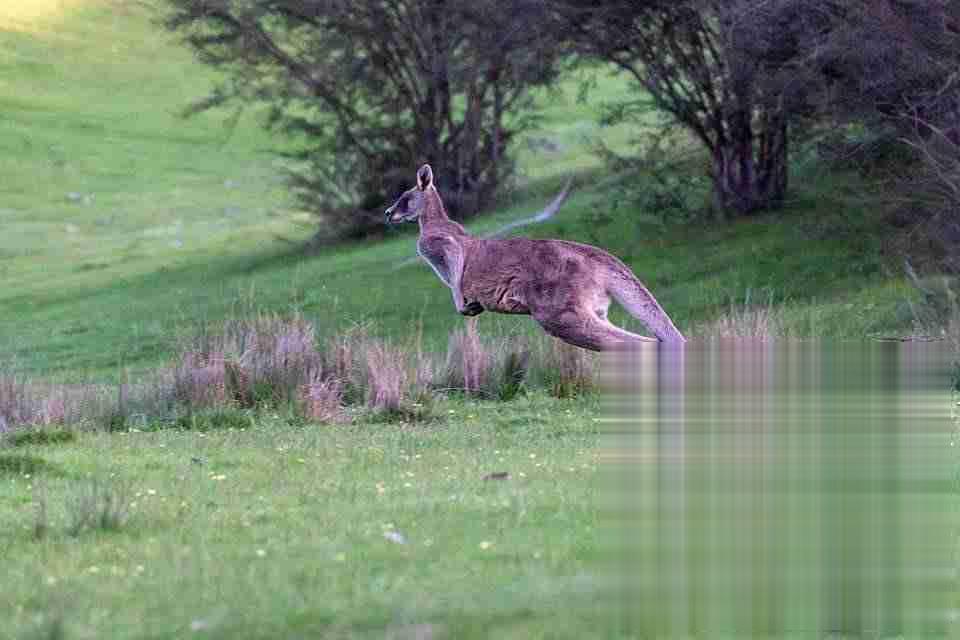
640,303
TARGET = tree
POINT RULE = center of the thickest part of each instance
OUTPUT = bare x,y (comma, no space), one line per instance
730,71
893,68
881,60
372,90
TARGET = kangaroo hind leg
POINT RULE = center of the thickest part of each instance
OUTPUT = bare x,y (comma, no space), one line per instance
586,330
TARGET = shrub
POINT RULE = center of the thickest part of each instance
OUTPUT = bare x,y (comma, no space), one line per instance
369,90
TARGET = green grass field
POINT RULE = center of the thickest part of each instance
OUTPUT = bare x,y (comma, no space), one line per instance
124,225
276,531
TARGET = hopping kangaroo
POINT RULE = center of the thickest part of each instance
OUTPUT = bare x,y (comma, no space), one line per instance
565,286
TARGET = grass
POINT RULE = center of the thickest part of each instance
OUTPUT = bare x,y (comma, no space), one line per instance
124,223
227,529
124,226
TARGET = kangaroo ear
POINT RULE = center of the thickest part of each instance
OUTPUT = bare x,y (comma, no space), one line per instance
424,177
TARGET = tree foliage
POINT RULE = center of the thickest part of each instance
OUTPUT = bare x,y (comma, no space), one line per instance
893,67
373,89
881,60
744,76
726,70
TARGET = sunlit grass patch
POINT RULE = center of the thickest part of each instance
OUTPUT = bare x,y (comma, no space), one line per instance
30,15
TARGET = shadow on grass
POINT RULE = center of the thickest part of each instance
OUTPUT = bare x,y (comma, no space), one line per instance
37,437
19,464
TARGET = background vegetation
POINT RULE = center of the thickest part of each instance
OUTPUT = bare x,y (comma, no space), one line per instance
207,429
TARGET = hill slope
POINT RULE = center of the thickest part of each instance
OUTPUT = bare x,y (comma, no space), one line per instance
122,222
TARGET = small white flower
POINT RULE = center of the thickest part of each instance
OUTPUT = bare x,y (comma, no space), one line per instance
394,536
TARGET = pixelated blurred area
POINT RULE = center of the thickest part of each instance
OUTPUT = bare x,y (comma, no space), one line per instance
764,489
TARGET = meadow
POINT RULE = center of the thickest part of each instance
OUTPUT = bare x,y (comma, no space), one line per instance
127,229
124,222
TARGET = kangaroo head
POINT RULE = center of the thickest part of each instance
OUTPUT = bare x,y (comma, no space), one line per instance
410,205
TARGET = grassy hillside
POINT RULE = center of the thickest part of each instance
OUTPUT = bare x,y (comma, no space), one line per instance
123,222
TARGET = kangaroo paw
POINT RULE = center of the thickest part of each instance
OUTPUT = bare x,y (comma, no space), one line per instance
472,309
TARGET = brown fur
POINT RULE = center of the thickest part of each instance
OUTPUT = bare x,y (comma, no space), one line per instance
566,286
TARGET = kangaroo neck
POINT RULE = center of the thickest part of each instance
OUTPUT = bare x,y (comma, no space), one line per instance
434,216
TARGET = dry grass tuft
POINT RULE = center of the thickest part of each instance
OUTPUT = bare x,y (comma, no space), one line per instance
18,406
24,403
386,376
323,401
758,323
270,362
568,371
469,364
200,380
343,361
495,368
249,362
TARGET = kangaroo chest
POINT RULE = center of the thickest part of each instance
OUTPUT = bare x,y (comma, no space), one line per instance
435,253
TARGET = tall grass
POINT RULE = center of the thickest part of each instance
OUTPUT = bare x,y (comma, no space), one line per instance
249,362
277,363
757,321
44,404
494,368
386,376
567,371
323,401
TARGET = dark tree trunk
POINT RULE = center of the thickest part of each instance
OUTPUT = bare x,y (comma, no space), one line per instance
749,171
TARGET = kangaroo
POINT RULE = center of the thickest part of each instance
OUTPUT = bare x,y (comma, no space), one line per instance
565,286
